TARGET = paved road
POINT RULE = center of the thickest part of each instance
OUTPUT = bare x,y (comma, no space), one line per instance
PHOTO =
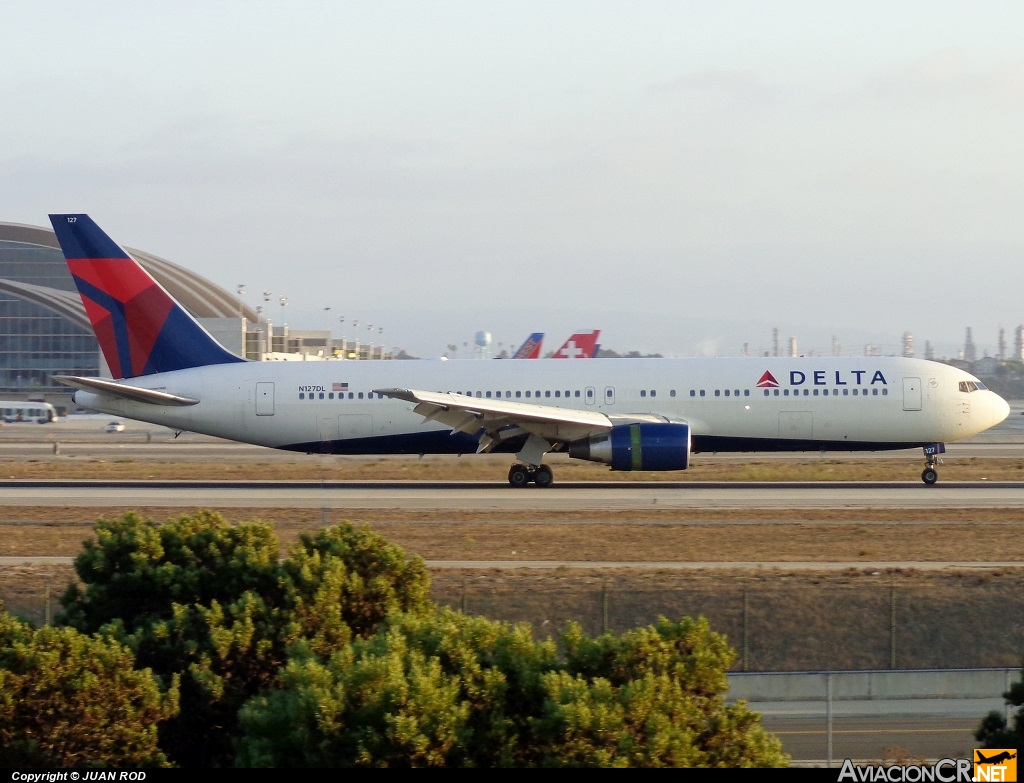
481,495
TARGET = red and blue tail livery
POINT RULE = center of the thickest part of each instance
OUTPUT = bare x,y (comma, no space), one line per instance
140,328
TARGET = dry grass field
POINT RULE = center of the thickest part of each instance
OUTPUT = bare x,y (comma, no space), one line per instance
776,618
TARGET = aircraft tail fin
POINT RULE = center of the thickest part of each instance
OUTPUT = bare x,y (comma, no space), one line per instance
531,348
582,345
141,329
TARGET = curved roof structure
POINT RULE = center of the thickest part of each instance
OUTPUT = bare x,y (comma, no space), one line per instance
44,330
198,295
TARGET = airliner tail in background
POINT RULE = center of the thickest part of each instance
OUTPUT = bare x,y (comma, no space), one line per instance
630,414
530,349
582,345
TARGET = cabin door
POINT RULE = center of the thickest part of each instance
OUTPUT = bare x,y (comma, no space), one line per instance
264,399
911,394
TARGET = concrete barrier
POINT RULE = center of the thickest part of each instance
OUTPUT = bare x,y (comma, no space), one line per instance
868,685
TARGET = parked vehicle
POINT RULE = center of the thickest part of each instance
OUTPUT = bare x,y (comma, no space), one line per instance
19,410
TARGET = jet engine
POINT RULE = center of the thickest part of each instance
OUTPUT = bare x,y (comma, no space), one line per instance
638,447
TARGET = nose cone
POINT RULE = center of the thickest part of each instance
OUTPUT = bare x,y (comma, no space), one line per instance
1000,409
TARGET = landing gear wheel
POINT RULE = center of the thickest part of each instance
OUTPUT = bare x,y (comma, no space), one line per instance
929,476
518,476
543,477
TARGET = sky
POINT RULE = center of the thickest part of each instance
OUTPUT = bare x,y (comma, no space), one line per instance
685,176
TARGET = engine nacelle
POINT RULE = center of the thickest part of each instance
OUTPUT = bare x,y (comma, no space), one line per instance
638,447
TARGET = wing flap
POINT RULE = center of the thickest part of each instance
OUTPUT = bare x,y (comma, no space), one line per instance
124,391
472,414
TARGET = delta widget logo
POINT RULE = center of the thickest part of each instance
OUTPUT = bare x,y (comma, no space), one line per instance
767,381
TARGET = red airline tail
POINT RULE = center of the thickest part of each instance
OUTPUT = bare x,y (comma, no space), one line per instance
582,345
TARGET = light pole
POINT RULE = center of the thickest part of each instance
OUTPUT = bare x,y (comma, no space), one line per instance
380,329
344,345
369,348
284,326
270,326
327,337
355,327
259,331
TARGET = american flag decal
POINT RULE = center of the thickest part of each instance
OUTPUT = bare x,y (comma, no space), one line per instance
339,387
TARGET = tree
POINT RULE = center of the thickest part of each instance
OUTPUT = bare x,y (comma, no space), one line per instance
211,605
994,732
443,689
68,699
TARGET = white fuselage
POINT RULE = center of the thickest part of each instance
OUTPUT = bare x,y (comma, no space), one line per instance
730,404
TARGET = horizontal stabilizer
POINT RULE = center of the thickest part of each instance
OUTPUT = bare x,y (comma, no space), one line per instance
115,389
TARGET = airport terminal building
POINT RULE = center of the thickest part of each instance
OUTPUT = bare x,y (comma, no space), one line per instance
44,330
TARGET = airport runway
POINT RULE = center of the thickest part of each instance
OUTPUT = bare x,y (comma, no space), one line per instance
499,496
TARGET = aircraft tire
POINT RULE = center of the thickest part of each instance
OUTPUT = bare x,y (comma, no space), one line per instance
543,477
518,476
929,476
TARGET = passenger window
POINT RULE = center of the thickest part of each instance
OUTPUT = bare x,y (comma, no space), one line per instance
577,392
654,392
785,392
321,395
558,393
767,392
547,393
776,392
488,395
693,392
330,396
673,393
519,394
746,392
360,395
702,392
527,392
815,392
726,392
643,392
885,392
302,396
718,392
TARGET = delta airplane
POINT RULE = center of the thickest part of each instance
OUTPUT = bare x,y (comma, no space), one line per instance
631,414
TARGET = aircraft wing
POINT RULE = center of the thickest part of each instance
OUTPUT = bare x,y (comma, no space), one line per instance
115,389
503,419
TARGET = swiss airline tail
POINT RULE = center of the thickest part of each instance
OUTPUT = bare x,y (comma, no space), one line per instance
140,328
582,345
531,348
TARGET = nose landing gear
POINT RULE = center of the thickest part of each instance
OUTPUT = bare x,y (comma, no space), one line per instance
931,456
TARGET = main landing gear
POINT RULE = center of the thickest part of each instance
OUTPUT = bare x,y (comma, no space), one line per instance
520,475
931,456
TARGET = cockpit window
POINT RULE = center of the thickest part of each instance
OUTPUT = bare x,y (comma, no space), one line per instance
969,386
980,385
